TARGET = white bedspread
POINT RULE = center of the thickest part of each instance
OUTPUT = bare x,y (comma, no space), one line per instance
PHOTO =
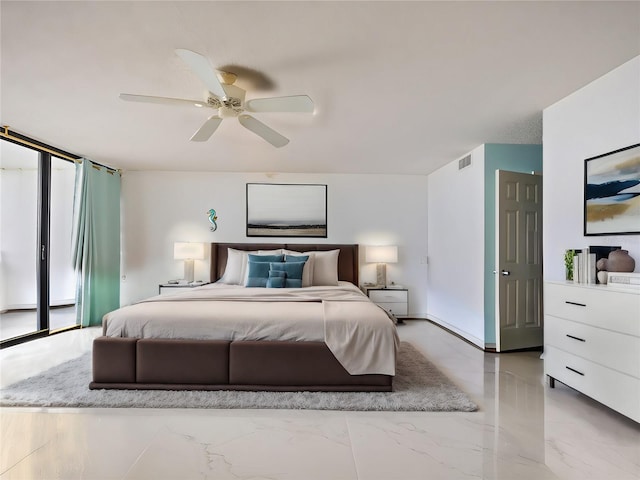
358,332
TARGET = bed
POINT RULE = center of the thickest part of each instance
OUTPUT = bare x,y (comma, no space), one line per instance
329,338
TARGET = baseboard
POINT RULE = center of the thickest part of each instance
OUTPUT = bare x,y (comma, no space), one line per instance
490,347
461,333
32,306
416,316
19,306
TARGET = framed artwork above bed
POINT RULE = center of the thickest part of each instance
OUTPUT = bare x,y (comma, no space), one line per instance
286,210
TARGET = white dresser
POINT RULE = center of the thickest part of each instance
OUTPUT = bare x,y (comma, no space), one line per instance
592,342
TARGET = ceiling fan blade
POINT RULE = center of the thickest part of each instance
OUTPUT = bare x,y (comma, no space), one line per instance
260,129
203,69
161,100
295,103
206,130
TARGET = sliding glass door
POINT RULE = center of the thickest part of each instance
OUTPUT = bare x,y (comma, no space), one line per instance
62,278
37,281
18,240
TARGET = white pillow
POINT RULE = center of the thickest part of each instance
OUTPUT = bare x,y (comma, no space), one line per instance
325,267
307,271
277,251
236,265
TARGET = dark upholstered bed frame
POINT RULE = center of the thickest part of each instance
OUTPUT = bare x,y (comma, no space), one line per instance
176,364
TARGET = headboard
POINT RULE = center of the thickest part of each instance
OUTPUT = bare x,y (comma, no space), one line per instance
347,260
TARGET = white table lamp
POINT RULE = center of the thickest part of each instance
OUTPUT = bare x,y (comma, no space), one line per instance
381,255
188,251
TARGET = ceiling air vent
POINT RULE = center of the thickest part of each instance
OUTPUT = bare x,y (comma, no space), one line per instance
464,162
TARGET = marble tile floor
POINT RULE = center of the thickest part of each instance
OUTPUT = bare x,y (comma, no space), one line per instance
524,430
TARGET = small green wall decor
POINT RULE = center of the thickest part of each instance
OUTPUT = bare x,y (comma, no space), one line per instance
212,219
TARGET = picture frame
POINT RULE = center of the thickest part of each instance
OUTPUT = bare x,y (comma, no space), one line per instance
612,193
286,210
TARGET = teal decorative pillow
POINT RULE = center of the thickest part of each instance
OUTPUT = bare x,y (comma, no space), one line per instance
296,258
265,258
293,272
307,272
258,272
276,279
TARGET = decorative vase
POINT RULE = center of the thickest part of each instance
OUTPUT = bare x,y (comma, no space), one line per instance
620,261
602,277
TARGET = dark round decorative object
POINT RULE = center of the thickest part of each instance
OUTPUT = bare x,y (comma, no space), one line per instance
620,261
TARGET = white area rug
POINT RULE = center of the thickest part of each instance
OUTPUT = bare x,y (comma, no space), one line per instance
418,386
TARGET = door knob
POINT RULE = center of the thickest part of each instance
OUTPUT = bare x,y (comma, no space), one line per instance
505,273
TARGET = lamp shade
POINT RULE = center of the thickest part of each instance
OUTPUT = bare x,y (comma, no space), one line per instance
188,250
381,254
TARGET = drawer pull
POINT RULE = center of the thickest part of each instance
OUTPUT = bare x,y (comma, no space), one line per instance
576,338
575,303
574,371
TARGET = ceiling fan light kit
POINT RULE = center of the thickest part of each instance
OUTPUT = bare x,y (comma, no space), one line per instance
229,100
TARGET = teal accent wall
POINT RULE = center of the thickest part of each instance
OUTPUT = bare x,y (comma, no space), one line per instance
514,158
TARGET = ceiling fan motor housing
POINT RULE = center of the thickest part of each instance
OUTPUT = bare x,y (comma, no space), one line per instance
227,112
235,98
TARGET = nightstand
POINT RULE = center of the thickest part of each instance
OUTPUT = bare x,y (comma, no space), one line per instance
171,288
393,300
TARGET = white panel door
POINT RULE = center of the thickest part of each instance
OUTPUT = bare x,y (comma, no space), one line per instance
519,311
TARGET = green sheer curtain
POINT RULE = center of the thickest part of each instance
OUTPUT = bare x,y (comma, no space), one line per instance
96,242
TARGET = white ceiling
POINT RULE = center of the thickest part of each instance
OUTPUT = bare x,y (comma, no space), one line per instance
399,87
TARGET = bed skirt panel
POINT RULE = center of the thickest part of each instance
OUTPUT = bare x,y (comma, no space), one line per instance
291,363
161,364
196,362
114,361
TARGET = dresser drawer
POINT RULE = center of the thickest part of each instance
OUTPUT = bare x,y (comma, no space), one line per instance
388,296
614,389
610,349
395,308
594,306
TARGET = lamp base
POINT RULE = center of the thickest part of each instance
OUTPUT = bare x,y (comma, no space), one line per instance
381,274
188,270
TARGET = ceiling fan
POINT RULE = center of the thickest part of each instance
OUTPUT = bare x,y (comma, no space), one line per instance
228,100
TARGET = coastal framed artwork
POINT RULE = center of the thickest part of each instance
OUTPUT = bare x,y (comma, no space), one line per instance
612,193
286,210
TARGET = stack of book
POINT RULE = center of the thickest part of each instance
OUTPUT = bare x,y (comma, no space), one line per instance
584,266
584,262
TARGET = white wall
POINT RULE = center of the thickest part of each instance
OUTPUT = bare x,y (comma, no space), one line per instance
456,247
160,208
600,117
